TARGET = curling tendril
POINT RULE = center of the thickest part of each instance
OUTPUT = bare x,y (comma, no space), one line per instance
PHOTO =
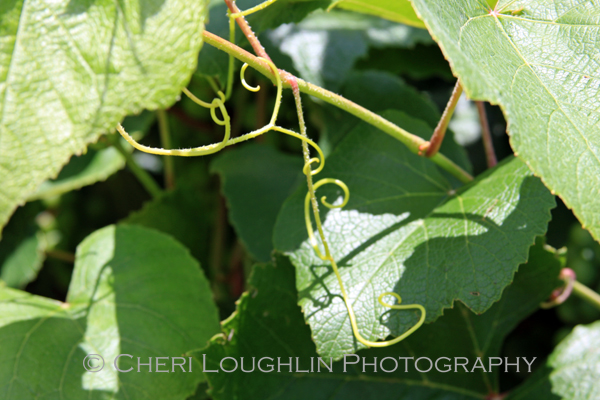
310,200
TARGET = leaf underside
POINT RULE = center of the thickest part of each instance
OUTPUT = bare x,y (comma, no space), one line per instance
71,70
540,61
405,230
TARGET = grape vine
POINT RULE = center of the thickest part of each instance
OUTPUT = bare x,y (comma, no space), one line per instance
311,198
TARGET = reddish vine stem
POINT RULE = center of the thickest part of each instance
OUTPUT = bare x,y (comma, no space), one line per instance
247,31
486,136
432,147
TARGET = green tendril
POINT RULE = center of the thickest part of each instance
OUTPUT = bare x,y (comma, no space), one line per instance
326,256
310,199
197,151
220,104
244,83
198,101
252,10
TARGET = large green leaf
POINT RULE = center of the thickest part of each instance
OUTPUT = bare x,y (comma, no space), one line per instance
537,387
419,62
576,363
268,323
395,10
95,165
22,247
571,371
256,180
134,291
405,230
71,69
182,213
538,59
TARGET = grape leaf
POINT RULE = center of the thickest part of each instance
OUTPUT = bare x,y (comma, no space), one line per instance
405,230
419,62
21,248
70,70
256,180
571,371
575,363
536,386
394,10
134,291
537,59
95,165
269,323
379,91
181,213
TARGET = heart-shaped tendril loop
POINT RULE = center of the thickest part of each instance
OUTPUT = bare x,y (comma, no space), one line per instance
218,121
197,151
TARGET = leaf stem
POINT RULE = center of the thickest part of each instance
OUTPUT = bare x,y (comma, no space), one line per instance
413,142
165,141
143,177
486,135
586,294
61,255
440,130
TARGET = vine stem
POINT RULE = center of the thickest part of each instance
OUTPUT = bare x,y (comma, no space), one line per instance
586,294
434,144
413,142
61,255
143,177
165,141
486,135
243,24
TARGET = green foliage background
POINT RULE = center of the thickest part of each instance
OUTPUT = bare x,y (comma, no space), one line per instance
92,261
